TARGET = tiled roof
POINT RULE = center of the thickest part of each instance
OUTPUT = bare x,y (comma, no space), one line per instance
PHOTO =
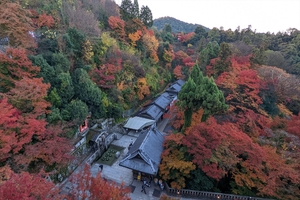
175,88
144,154
180,82
163,101
151,111
4,41
138,123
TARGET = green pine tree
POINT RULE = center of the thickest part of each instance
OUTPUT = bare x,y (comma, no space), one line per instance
223,63
136,9
200,92
146,16
126,10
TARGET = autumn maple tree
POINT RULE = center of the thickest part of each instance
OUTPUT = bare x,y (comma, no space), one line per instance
105,75
174,167
293,125
85,186
26,186
24,130
242,85
42,20
178,72
16,24
184,38
117,25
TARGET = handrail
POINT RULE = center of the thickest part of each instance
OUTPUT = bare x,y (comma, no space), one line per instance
212,195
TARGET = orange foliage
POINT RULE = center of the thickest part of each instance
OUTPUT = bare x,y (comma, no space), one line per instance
120,85
221,146
143,88
282,180
178,72
151,45
184,38
25,117
43,20
28,96
176,116
16,24
85,186
135,37
252,123
173,166
243,86
154,58
250,83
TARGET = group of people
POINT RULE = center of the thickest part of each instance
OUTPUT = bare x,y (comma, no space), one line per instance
146,183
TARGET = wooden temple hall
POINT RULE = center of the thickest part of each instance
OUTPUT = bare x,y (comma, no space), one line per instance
143,156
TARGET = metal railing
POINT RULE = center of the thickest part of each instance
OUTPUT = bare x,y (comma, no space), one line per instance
202,194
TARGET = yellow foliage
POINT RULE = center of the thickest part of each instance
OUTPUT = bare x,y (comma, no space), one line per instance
174,161
284,110
106,42
151,45
168,56
143,88
87,51
105,101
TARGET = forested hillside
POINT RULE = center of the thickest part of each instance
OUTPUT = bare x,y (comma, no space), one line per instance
176,25
235,124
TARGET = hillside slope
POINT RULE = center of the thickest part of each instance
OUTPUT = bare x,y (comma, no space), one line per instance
177,25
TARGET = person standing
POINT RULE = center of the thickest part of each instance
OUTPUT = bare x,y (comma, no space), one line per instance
143,189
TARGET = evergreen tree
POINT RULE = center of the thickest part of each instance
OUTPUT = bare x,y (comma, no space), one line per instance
200,92
136,9
257,56
188,101
211,51
146,16
223,63
126,10
199,33
167,28
214,35
212,99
